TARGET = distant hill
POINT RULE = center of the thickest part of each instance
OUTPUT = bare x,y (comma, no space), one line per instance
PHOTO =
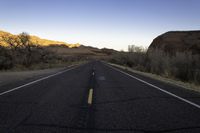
177,41
67,50
39,41
82,52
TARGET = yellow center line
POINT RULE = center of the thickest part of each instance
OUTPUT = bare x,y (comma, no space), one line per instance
90,96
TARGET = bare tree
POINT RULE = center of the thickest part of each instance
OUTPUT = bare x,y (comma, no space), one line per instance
11,42
136,49
26,48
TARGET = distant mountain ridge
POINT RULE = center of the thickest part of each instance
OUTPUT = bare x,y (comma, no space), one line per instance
39,41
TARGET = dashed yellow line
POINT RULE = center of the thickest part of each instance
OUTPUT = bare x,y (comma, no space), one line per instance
90,96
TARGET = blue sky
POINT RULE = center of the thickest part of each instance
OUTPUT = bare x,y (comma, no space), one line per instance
100,23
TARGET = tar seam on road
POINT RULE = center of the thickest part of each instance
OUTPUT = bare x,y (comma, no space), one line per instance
158,88
35,81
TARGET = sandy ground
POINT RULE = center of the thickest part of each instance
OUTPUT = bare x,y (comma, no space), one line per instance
11,77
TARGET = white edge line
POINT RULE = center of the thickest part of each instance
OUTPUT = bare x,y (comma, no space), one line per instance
158,88
35,81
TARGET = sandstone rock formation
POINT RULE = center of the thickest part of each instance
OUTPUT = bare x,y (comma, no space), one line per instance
177,41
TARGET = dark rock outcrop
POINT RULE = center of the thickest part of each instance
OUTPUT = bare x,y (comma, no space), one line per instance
177,41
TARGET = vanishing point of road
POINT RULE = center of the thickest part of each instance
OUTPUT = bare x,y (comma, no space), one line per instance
97,98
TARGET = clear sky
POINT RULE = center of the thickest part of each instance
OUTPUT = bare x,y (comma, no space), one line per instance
100,23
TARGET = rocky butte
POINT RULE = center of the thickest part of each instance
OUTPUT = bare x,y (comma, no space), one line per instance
177,41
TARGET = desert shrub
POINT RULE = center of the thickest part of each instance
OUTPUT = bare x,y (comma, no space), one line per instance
157,62
19,50
135,57
180,66
5,58
183,66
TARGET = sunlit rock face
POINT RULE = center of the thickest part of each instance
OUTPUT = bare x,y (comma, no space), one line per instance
177,41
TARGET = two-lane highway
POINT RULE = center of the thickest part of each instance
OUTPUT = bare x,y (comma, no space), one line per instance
98,98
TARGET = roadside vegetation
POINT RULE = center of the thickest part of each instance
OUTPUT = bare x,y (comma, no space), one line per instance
179,66
20,52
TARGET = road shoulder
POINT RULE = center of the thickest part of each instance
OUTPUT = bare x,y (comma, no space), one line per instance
187,86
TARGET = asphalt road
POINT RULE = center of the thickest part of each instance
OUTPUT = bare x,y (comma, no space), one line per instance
96,98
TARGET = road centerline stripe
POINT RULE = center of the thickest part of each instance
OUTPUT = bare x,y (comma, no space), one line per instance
158,88
90,96
35,81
